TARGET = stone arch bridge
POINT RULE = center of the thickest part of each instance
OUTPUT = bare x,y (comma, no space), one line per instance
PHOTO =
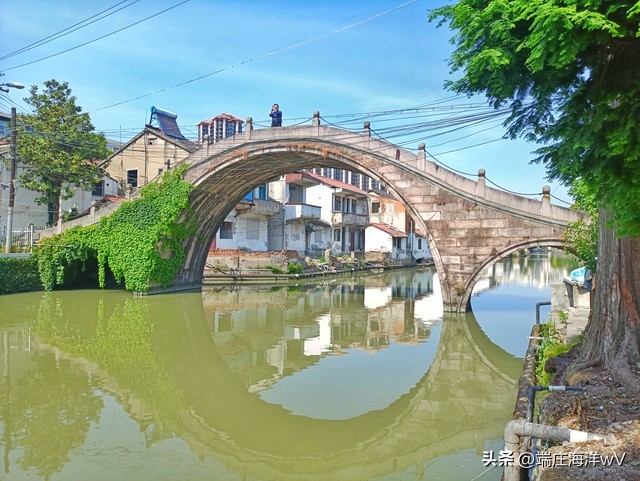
469,225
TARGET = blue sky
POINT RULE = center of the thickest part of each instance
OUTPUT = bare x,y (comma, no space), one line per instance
341,58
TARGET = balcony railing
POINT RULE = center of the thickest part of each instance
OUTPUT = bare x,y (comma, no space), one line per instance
259,206
301,211
345,218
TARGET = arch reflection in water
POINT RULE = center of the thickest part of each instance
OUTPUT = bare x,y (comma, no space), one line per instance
193,373
313,349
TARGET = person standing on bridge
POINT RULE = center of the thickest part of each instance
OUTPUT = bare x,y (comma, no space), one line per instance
276,116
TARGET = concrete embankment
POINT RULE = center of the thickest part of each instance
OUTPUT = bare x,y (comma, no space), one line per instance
570,308
266,276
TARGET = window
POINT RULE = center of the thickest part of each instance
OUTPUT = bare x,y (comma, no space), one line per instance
353,206
98,189
132,177
295,193
253,229
225,322
231,129
337,174
262,192
337,203
226,231
397,242
317,236
336,235
326,172
355,179
375,207
5,130
419,244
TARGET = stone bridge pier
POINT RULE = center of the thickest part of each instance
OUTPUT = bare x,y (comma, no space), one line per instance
468,225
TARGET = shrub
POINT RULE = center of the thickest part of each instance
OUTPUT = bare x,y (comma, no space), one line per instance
551,346
295,268
19,274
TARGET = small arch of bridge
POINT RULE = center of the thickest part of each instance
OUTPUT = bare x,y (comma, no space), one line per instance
468,224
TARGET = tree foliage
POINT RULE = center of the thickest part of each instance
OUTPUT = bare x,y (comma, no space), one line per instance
570,70
582,236
57,145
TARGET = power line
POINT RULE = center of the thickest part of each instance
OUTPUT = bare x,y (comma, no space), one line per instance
291,46
69,30
99,38
459,122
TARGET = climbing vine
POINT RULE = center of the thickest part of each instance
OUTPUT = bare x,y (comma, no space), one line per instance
141,242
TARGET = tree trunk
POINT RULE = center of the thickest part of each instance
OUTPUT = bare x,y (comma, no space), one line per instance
56,210
612,336
55,195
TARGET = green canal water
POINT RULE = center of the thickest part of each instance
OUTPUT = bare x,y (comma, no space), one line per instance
352,378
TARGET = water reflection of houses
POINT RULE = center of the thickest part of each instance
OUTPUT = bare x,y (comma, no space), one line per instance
538,269
267,334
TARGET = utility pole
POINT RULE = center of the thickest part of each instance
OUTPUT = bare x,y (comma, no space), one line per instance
12,188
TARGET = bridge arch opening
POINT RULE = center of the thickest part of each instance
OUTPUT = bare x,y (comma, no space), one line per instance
512,249
226,181
465,222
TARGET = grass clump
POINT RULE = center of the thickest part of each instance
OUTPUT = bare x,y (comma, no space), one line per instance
552,345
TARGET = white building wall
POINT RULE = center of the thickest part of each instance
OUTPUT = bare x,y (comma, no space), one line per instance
294,235
376,240
320,239
322,196
26,211
391,213
422,252
251,232
278,190
228,243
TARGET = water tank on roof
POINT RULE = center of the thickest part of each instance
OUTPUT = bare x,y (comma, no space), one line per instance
166,113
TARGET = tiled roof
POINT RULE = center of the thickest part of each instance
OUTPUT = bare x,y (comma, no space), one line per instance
389,230
335,183
224,115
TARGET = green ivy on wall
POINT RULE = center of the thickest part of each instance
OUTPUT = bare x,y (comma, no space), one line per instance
141,242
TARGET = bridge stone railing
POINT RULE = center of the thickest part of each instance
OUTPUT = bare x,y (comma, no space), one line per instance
96,213
417,164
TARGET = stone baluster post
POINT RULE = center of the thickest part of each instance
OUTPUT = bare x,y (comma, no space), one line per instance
92,212
367,129
421,158
482,182
316,119
248,129
546,201
207,141
127,192
59,226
